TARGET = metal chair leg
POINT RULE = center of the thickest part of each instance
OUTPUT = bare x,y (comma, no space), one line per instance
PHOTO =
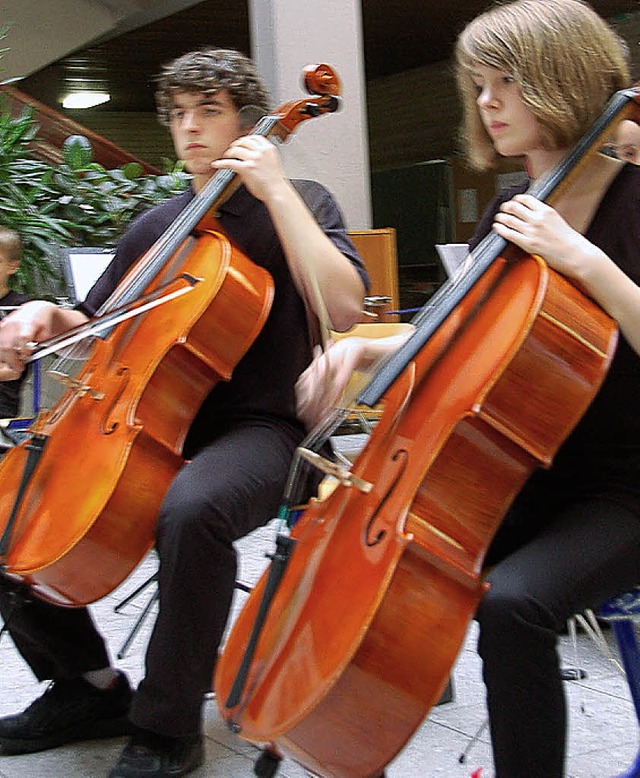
119,606
138,624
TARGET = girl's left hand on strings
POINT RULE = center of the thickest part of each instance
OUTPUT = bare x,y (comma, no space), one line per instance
537,228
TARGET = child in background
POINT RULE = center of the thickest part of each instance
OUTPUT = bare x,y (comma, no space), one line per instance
10,257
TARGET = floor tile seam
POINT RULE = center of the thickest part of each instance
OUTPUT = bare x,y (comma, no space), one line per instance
605,747
626,697
451,728
236,750
456,707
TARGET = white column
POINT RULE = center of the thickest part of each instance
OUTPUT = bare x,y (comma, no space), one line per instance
286,36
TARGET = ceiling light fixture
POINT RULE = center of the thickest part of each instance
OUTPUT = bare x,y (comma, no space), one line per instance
85,99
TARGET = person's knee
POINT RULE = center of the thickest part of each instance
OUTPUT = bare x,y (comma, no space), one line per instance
186,515
509,619
506,606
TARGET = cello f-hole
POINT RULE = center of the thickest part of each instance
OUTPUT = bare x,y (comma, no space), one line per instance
107,427
370,537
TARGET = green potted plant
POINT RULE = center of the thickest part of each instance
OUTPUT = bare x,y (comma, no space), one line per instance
97,204
76,203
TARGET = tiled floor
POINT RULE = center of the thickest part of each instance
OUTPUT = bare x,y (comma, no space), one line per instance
603,727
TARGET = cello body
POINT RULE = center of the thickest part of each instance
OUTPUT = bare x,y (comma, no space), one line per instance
365,626
114,441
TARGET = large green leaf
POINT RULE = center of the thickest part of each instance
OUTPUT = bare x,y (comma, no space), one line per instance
77,152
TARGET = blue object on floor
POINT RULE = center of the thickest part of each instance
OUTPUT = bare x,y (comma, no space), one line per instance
621,612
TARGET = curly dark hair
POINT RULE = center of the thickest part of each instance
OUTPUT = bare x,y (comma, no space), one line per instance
209,70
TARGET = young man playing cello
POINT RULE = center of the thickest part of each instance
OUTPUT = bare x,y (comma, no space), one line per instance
240,444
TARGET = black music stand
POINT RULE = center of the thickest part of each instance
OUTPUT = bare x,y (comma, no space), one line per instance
81,267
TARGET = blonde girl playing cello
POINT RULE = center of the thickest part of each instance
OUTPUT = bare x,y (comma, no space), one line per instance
534,75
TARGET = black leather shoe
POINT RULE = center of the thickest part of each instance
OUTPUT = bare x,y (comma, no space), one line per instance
69,710
148,755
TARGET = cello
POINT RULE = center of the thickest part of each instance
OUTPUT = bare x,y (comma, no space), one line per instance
359,637
79,499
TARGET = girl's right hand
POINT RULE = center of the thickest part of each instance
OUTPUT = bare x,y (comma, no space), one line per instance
321,386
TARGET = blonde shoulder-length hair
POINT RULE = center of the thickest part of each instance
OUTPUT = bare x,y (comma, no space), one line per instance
566,60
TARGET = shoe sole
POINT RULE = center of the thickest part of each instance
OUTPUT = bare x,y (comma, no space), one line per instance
90,731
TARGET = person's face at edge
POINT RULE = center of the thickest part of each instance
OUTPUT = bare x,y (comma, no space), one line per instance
513,128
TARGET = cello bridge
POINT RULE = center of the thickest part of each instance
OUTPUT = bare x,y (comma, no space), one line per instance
344,476
80,388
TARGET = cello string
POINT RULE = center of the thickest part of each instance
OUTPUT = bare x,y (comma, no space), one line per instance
212,194
156,257
429,319
440,306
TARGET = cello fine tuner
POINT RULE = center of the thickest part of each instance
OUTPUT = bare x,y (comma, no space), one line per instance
346,477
